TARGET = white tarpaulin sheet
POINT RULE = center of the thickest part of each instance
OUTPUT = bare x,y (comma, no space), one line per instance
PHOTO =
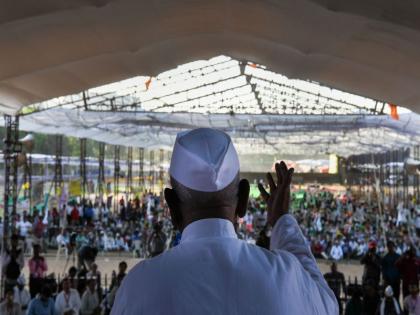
287,134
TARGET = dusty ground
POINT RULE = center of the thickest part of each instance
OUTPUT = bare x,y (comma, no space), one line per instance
110,262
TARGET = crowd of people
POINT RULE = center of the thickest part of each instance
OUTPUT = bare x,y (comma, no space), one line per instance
337,227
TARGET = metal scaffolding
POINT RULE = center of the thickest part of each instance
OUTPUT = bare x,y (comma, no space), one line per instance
83,173
11,149
129,184
117,171
101,170
390,171
58,170
161,170
151,169
416,177
141,169
27,179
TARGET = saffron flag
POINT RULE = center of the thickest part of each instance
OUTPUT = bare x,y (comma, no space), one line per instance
394,111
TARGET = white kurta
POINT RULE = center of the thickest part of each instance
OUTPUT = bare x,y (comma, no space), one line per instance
212,272
64,302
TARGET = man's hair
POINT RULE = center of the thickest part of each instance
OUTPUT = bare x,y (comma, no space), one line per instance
228,196
45,290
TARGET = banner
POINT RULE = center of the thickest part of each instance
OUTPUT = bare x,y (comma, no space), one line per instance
74,188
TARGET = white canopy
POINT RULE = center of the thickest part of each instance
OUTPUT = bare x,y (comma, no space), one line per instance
288,134
54,48
263,111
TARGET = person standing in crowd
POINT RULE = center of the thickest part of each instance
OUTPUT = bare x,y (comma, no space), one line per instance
390,272
371,297
9,306
37,271
12,262
157,240
72,276
122,272
408,266
354,305
63,217
38,228
94,273
412,301
42,304
109,299
62,244
337,283
75,216
372,265
21,295
219,273
389,304
67,301
23,226
90,300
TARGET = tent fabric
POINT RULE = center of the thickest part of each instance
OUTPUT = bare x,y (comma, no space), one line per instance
55,48
343,135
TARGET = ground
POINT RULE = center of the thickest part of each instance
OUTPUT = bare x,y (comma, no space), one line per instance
109,262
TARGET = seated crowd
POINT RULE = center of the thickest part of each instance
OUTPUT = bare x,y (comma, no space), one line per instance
337,227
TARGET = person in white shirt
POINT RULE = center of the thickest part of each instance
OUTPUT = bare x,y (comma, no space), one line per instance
23,226
211,271
90,300
403,214
412,301
336,252
63,241
67,301
21,295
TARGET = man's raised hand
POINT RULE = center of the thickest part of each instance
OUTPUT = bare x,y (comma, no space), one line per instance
279,197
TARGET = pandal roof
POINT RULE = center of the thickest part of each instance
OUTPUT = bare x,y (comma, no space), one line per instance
263,111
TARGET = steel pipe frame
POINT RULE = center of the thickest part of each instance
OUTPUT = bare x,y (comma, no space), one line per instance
141,168
83,180
101,171
58,167
129,184
117,171
151,169
12,147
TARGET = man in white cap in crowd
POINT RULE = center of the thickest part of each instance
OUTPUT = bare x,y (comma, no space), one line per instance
211,271
389,304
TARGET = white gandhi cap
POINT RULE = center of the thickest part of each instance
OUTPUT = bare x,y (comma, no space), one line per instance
204,159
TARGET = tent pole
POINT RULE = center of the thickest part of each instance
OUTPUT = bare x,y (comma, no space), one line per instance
11,149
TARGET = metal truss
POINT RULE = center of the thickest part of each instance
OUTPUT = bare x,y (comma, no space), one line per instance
117,174
161,170
129,184
385,168
141,168
151,168
11,149
58,167
101,170
220,85
27,179
83,171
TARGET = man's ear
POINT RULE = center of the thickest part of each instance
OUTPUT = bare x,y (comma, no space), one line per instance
243,195
174,208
